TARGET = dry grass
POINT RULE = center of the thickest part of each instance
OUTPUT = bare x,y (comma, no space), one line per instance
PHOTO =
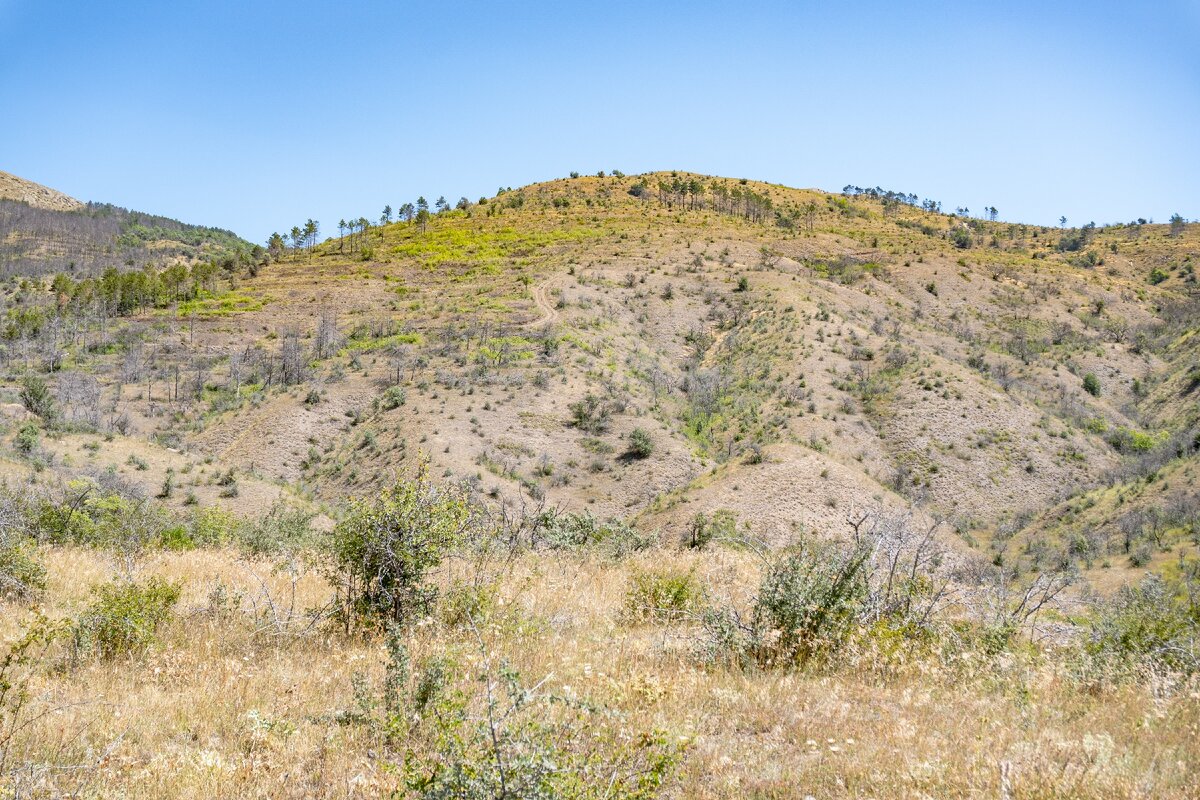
223,708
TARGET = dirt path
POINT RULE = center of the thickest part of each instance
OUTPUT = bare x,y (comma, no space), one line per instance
541,299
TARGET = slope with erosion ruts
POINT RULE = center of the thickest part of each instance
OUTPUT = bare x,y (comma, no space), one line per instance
788,374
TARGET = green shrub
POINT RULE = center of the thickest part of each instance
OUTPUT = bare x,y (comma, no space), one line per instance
464,603
27,439
591,414
386,546
705,528
21,572
960,237
662,594
37,399
515,742
806,606
1154,625
393,398
1091,384
1158,275
283,530
640,444
583,531
124,617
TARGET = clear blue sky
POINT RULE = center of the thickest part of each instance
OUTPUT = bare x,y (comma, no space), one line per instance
256,114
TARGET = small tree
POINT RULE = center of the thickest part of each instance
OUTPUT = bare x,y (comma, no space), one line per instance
1177,225
37,399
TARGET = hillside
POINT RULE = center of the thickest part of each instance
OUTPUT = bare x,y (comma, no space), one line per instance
700,479
792,359
42,231
34,194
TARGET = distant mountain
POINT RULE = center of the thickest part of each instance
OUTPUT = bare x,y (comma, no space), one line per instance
44,231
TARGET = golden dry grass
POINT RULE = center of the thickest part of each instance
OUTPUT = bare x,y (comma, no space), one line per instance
223,708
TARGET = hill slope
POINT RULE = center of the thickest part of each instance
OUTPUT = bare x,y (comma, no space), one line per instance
44,231
34,194
793,357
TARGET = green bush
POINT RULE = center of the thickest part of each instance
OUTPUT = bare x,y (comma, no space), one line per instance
1154,625
283,531
393,398
1091,384
583,531
640,444
662,594
591,414
806,606
124,617
27,438
21,572
386,546
705,528
37,399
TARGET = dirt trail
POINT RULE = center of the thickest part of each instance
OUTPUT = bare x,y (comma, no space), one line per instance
541,299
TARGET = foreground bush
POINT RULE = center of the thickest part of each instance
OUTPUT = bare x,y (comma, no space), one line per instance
124,617
385,548
1153,626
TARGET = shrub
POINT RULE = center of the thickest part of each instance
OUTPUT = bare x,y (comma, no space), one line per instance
662,594
386,546
1091,384
806,606
392,399
516,742
640,444
579,531
591,414
1158,275
464,603
721,524
21,573
37,399
960,237
283,531
27,438
1153,625
124,617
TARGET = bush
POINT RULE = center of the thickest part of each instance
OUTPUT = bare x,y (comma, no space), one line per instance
591,414
806,606
582,531
21,573
960,237
662,594
124,617
1153,625
721,524
640,444
37,399
27,438
386,546
518,743
1091,384
283,531
392,399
